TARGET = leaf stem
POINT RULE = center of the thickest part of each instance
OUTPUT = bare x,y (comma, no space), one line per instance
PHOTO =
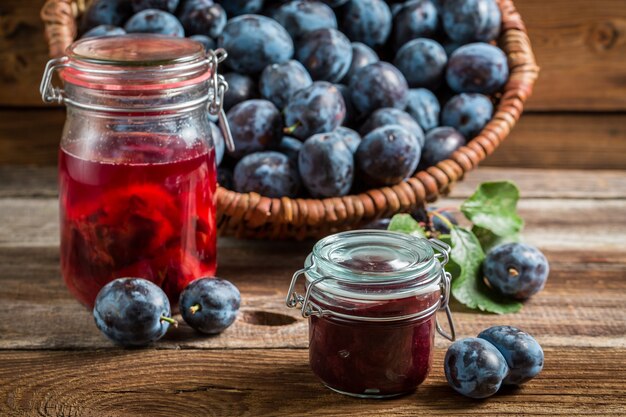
169,320
195,308
290,129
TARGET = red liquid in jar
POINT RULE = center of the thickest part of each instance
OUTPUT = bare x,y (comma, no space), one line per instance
124,213
373,358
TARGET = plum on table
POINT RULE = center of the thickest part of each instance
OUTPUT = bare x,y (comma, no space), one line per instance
210,305
132,312
474,367
523,354
517,270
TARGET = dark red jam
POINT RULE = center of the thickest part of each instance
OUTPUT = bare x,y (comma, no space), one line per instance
126,213
374,358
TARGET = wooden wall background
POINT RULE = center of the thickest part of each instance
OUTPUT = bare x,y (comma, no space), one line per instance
575,119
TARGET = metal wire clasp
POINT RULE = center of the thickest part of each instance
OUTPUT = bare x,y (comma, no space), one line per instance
217,88
442,252
294,299
49,93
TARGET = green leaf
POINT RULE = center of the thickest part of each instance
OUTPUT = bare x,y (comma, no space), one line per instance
488,239
494,207
405,223
468,287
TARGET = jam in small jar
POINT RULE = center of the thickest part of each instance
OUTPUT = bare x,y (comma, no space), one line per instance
371,299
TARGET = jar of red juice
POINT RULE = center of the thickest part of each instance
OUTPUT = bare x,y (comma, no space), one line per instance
137,170
371,298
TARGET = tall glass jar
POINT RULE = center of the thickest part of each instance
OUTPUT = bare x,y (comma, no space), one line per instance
137,172
371,298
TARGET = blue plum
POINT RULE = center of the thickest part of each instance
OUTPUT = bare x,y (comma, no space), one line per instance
464,20
335,3
438,223
351,113
103,30
255,126
240,88
326,165
387,155
155,21
291,147
424,107
315,109
521,351
367,21
239,7
391,116
106,12
278,82
167,5
376,86
225,178
422,62
516,270
271,174
362,55
132,312
302,16
351,138
474,367
477,68
415,19
467,113
210,305
253,42
202,17
326,54
441,142
491,30
208,43
218,142
378,224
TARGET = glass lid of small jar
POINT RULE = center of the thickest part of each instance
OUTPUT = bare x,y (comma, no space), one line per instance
373,265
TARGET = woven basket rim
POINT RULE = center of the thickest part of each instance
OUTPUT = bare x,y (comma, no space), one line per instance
246,213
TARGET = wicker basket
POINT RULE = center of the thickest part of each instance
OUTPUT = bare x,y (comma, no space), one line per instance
253,215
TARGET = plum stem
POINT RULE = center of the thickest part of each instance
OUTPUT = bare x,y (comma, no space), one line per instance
195,308
290,129
443,218
169,320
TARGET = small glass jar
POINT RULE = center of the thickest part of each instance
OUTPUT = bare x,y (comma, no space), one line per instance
371,298
137,171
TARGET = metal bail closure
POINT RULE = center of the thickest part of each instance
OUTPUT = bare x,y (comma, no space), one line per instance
294,299
217,87
443,251
49,93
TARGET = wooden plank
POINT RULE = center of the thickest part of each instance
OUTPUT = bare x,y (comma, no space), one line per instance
582,304
579,45
574,382
572,141
19,181
551,223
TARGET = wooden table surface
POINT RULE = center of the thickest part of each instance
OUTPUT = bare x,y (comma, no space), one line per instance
54,362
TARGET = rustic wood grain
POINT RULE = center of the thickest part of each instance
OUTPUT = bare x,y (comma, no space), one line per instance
582,141
258,383
582,304
41,182
580,46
